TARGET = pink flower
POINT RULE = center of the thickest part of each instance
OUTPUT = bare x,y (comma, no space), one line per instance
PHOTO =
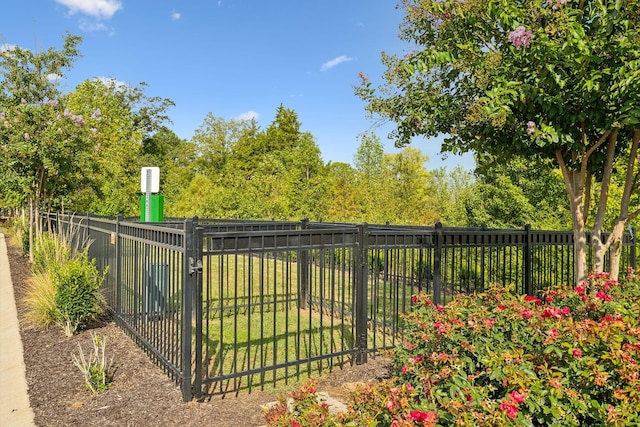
555,312
577,353
521,37
553,333
531,298
27,136
440,327
556,5
389,405
517,397
414,299
489,322
511,410
531,127
422,417
416,359
502,307
602,295
294,423
526,313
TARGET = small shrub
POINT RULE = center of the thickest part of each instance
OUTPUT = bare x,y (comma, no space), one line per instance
97,371
301,408
77,296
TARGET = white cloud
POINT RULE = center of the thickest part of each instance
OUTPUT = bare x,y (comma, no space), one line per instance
112,83
92,27
249,115
101,9
175,15
54,78
4,47
332,63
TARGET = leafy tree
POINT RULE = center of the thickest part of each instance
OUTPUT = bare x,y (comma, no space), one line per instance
42,142
520,191
452,193
557,80
368,163
176,159
126,116
215,141
342,193
407,197
275,174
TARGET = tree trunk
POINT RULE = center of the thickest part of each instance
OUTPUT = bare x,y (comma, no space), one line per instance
580,255
630,181
574,182
616,249
30,228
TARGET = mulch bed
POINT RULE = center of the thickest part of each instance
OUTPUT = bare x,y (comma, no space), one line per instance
141,393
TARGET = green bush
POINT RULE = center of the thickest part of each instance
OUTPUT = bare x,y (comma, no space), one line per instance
570,358
77,296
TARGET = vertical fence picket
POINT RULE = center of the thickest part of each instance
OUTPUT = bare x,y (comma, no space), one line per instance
437,264
528,286
361,274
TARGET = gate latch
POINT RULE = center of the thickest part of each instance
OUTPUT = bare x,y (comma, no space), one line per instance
195,266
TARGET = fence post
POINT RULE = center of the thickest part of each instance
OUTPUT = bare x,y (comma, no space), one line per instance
118,253
361,308
197,309
528,285
632,254
187,298
437,267
304,271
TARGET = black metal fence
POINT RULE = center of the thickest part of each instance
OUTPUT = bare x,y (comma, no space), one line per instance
230,305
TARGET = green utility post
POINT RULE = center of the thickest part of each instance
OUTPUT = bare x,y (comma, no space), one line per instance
156,208
151,205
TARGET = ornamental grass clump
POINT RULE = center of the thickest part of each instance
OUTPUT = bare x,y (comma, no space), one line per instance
567,357
96,369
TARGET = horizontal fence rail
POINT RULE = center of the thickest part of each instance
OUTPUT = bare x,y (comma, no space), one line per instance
226,305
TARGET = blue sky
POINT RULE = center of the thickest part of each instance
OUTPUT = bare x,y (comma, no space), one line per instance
232,58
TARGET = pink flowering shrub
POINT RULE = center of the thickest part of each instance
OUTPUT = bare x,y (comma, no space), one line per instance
568,357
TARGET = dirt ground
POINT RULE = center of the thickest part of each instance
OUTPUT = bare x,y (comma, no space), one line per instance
141,393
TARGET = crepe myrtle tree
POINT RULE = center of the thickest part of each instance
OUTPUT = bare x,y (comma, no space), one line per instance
555,79
42,142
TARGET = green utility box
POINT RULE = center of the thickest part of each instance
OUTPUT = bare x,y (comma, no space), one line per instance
157,208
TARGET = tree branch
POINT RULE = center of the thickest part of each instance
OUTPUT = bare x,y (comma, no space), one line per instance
606,182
